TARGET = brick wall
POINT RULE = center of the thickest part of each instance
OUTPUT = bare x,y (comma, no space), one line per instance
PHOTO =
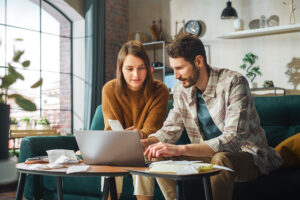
64,118
116,33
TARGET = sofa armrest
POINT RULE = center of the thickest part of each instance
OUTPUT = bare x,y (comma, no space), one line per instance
38,145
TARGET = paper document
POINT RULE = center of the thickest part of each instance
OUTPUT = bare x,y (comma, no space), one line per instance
182,167
115,125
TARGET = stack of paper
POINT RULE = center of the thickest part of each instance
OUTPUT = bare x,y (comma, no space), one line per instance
182,167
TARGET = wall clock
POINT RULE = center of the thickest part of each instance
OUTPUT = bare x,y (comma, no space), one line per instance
194,27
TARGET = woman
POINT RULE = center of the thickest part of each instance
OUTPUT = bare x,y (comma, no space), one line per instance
138,101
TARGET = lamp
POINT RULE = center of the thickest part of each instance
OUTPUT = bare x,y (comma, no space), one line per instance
229,12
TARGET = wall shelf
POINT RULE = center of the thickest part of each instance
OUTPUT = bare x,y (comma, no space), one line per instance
261,32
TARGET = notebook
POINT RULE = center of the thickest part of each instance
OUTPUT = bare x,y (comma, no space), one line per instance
121,148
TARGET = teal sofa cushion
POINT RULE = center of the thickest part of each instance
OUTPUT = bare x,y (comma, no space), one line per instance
280,117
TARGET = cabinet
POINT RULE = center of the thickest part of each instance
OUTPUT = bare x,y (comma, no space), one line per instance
156,52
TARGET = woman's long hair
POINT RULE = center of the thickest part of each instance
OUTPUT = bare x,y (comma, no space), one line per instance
137,49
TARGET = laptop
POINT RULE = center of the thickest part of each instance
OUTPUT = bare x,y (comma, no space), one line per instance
120,148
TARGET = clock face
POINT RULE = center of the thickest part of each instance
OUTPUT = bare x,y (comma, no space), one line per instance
194,27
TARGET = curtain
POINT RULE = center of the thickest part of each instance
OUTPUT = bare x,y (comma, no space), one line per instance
95,52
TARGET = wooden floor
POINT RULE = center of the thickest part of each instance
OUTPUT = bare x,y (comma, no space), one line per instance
8,192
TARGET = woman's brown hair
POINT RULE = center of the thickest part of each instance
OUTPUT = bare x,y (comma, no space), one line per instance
137,49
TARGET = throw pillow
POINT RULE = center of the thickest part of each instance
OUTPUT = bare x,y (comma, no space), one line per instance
289,150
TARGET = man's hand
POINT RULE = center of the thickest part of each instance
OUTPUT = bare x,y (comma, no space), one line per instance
161,149
148,141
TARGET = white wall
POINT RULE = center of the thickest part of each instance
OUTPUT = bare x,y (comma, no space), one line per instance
274,51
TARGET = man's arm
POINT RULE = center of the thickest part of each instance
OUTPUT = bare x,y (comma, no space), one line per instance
161,149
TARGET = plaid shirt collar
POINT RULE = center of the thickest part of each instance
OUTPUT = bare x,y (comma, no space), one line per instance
210,90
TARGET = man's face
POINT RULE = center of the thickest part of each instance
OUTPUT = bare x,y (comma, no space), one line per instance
184,71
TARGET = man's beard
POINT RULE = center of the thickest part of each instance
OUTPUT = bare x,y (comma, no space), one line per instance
191,80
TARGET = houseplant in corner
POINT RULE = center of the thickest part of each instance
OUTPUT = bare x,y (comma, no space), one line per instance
251,70
6,81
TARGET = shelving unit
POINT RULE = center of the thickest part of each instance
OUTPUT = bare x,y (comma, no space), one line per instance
154,46
261,32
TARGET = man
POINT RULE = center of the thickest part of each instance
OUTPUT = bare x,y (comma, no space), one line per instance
217,110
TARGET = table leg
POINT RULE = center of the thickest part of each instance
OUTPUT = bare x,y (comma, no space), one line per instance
105,188
60,188
109,187
179,190
21,184
112,188
207,188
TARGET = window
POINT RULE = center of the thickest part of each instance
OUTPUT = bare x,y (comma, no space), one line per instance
47,41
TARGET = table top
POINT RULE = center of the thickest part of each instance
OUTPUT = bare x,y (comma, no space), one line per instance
94,170
144,172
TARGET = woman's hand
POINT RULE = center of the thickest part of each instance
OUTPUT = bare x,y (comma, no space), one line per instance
132,128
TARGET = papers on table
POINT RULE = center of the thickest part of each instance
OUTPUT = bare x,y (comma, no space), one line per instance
183,167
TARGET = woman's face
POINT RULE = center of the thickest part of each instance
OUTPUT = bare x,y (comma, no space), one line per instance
134,71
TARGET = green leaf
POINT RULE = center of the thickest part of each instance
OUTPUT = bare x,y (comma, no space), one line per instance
13,72
243,66
17,55
26,63
38,83
7,80
24,103
19,39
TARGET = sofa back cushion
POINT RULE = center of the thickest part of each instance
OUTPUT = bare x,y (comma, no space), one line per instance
279,116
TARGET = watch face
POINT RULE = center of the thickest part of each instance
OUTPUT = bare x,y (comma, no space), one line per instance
193,27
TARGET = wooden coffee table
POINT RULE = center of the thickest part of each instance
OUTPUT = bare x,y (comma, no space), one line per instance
204,175
109,172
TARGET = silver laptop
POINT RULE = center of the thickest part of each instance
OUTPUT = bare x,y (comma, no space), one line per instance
122,148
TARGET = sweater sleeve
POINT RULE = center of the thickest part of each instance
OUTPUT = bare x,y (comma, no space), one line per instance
157,111
108,105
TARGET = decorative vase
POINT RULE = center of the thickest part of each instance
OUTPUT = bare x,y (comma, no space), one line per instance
238,24
4,130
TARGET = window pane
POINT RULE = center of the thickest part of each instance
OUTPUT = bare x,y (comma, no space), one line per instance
2,45
2,12
56,91
24,13
54,22
59,119
30,44
2,71
24,87
50,53
56,53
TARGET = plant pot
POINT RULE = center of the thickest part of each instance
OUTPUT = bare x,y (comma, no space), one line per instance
13,127
4,130
42,127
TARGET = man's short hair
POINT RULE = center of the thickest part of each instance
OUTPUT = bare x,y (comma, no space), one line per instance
188,46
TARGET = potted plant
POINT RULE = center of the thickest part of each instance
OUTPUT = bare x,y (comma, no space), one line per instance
25,123
13,123
43,124
6,81
248,65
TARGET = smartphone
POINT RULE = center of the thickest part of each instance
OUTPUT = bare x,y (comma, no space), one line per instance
115,125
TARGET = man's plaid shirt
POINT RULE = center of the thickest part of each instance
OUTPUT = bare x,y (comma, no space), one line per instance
230,104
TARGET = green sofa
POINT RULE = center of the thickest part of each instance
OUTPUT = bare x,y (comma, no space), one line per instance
280,117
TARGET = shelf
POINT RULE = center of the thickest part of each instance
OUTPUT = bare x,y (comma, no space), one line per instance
155,44
261,32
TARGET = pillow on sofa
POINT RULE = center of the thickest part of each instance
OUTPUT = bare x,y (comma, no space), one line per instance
289,150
